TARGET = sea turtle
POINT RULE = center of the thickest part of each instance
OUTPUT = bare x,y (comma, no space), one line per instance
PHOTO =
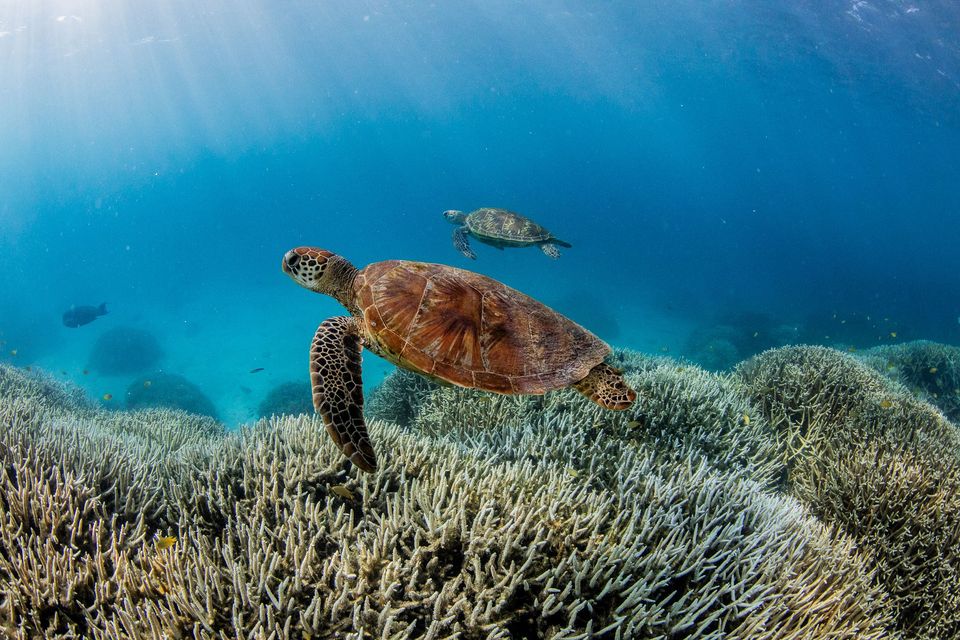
500,228
448,324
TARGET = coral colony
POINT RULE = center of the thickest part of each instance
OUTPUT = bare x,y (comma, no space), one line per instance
803,495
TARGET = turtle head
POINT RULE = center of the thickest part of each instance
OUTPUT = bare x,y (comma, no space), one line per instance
320,271
454,216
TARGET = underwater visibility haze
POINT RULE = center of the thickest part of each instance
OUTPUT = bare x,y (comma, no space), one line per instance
704,185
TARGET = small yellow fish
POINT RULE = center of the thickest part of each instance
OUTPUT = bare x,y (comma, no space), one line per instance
146,384
573,473
746,420
107,397
633,424
851,349
342,491
893,334
165,542
13,352
933,369
886,404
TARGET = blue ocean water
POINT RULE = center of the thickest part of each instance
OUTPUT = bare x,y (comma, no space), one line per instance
778,169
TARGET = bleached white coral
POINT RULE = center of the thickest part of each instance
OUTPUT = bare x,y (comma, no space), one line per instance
274,536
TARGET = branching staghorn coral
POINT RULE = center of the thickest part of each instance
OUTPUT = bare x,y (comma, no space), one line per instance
884,466
929,369
40,387
904,508
435,546
276,538
682,412
398,398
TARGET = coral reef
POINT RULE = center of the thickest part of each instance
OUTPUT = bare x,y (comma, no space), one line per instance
884,466
929,369
168,390
105,533
398,398
288,398
124,351
734,336
683,412
41,388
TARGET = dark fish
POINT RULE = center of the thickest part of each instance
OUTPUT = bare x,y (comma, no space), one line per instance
257,370
79,316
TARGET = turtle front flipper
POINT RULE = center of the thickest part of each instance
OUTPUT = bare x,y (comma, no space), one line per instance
338,388
462,243
606,386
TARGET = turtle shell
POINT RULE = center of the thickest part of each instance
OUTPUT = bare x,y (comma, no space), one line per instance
470,330
503,225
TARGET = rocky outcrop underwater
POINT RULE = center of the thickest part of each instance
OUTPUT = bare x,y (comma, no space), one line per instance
809,493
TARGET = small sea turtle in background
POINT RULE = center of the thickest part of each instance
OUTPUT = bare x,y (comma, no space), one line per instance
448,324
500,228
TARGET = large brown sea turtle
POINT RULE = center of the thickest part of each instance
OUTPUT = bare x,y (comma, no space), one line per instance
500,228
448,324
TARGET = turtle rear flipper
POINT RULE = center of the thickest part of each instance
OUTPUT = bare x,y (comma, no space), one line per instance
606,386
462,243
338,388
550,249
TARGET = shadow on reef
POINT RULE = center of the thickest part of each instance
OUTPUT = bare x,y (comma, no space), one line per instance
124,351
743,505
287,398
168,390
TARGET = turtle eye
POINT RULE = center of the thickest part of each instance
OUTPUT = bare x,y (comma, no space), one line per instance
292,259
